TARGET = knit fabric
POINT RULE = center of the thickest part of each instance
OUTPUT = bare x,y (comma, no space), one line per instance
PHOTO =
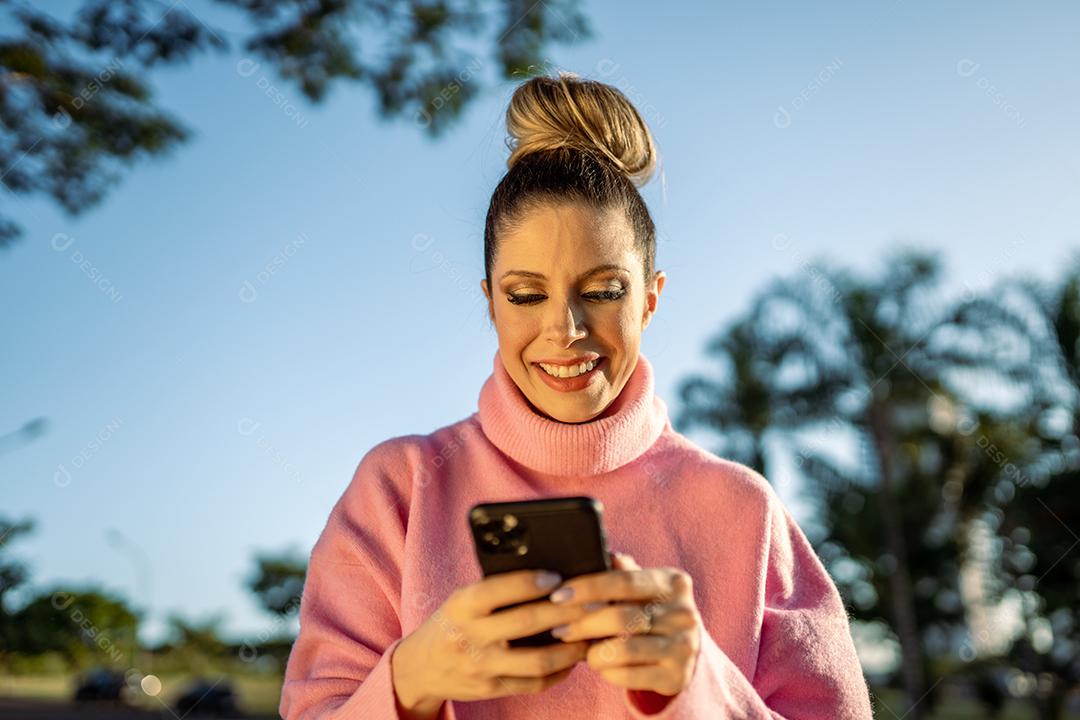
629,426
775,638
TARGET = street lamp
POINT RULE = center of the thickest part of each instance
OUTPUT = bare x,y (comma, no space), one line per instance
142,565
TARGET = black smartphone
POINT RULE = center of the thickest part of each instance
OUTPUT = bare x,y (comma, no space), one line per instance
563,534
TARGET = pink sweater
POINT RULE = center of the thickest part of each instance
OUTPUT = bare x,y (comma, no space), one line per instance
776,643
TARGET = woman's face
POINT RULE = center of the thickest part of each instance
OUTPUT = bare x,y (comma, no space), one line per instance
547,305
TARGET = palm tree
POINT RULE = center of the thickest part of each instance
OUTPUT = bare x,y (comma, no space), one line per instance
1035,508
838,356
739,407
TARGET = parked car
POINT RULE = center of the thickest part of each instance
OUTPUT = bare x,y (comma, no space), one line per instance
101,683
203,697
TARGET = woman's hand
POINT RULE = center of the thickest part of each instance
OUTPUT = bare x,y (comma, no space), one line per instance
461,651
638,655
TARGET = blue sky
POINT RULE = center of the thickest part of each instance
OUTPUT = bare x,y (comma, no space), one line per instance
219,343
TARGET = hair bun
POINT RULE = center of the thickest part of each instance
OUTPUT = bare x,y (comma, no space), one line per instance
566,111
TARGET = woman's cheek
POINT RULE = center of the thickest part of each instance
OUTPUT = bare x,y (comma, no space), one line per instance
625,323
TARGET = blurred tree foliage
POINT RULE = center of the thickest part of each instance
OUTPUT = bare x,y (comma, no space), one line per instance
85,627
888,367
1034,508
278,582
197,644
80,626
13,573
76,104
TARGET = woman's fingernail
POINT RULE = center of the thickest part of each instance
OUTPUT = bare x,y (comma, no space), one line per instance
546,580
560,631
562,594
595,605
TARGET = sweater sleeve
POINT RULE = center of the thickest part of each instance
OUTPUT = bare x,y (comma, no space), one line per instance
807,667
339,664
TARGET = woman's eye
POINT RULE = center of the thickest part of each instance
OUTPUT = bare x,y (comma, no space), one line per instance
607,294
523,299
602,295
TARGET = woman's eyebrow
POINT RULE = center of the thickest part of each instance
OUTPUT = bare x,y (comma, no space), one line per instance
587,273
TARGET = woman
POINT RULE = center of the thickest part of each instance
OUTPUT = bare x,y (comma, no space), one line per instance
720,608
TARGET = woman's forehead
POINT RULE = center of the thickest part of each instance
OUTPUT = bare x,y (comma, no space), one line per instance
581,261
570,237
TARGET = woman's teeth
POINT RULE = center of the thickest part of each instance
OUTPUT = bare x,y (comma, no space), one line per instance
565,371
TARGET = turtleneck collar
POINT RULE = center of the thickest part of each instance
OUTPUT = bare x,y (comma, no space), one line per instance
626,429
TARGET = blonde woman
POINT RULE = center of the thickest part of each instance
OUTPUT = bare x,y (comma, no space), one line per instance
719,607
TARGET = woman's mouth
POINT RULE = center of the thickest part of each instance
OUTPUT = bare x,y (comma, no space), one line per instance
570,384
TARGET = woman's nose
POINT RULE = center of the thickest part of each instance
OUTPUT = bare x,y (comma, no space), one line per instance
563,327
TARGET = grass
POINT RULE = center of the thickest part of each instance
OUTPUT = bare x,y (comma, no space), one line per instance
257,694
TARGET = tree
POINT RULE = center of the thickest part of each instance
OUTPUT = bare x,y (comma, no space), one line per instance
12,574
75,102
86,626
836,357
198,643
278,585
740,407
1035,509
278,582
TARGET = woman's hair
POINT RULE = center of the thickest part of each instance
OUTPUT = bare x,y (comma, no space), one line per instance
573,140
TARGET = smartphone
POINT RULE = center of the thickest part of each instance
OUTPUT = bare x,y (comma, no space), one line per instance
563,534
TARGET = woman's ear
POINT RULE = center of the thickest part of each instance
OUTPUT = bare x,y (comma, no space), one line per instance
490,302
652,297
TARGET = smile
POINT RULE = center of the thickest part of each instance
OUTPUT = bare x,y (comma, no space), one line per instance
574,379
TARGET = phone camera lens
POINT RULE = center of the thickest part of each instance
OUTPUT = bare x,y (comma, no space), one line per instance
503,535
